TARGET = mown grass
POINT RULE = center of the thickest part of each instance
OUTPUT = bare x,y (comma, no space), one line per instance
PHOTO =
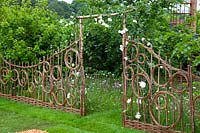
103,107
18,116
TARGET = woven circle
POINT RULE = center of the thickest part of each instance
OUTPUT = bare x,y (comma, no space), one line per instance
71,99
59,73
141,58
51,97
140,83
197,113
157,104
31,88
72,79
129,73
180,76
59,98
47,84
38,77
22,78
46,67
15,74
133,52
72,59
3,72
159,66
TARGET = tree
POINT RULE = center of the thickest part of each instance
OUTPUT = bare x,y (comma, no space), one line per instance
64,9
29,32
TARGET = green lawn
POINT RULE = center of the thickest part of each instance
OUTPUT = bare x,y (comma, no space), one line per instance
18,116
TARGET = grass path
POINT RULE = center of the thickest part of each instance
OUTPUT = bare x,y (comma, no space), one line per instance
18,116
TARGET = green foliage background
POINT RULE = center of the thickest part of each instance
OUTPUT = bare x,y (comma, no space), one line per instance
29,32
31,29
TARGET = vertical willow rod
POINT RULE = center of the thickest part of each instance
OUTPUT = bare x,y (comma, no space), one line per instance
191,98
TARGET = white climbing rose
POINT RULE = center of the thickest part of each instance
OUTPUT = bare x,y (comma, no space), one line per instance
148,44
109,19
126,42
121,48
68,95
126,58
106,25
138,115
143,39
142,84
129,100
123,31
77,73
134,21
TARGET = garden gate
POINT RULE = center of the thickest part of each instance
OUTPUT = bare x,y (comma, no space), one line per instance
156,96
56,82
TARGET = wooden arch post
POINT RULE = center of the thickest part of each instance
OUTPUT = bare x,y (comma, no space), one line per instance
82,91
81,47
193,11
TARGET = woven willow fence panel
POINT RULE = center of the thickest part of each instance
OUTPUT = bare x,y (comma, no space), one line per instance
55,82
157,96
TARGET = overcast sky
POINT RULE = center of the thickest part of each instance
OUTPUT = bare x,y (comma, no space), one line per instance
68,1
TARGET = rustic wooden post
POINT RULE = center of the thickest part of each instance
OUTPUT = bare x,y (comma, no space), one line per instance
193,11
124,71
82,91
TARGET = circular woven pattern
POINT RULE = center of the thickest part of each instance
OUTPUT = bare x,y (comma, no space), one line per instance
15,74
164,105
37,77
158,66
72,79
129,73
59,73
31,87
196,106
59,96
46,66
141,58
71,98
72,59
133,51
183,77
47,84
3,72
22,78
141,86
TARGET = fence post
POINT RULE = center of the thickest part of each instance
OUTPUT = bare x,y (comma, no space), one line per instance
191,98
